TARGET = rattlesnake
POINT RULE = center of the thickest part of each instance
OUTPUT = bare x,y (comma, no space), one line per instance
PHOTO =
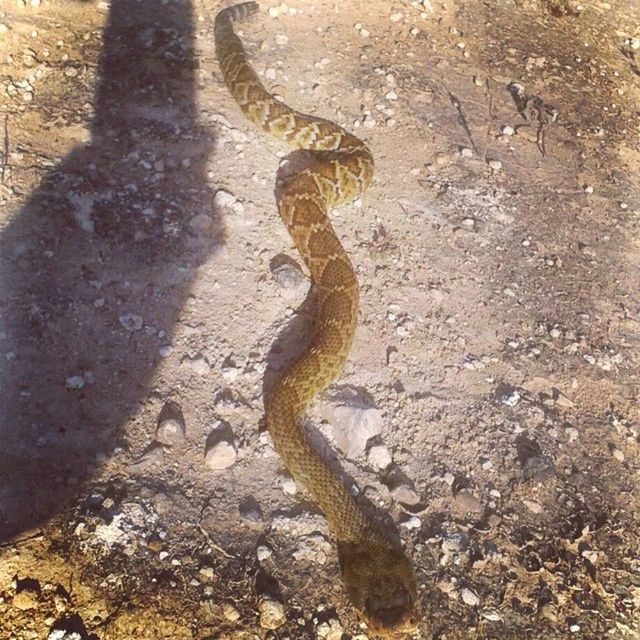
378,578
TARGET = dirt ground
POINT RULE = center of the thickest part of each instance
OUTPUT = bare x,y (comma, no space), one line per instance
149,294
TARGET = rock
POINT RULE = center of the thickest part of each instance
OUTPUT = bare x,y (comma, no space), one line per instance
507,130
25,600
379,457
272,613
411,523
617,454
281,39
75,382
313,548
465,152
496,165
131,322
289,486
330,630
491,614
469,597
221,455
468,502
353,426
288,277
405,495
206,572
171,428
199,364
230,612
62,634
303,524
224,200
263,553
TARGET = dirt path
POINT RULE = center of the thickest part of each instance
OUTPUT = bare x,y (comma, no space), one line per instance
148,293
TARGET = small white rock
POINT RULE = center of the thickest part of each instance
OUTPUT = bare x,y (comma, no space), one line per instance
354,426
222,199
272,613
230,612
507,130
379,456
617,454
469,597
170,431
199,365
465,152
289,486
131,322
281,39
263,553
75,382
496,165
221,455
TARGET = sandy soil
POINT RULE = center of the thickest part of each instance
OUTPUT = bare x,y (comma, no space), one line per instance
498,257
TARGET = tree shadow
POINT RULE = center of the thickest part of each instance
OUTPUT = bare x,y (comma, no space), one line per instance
98,263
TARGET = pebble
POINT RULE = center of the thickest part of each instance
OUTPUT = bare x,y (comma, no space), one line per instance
63,634
223,199
405,495
230,612
587,188
313,548
199,364
533,506
131,322
289,486
496,165
465,152
25,600
379,456
353,426
391,95
369,122
171,429
492,615
75,382
330,630
507,130
220,455
617,454
469,597
467,501
289,277
263,553
411,523
206,572
272,613
281,39
396,16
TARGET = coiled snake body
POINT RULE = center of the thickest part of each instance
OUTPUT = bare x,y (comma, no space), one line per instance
378,578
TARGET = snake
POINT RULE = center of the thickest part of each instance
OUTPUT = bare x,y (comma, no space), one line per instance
379,579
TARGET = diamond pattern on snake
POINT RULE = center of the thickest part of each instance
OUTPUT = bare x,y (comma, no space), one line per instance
378,578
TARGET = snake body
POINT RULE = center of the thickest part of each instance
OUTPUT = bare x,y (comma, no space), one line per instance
378,578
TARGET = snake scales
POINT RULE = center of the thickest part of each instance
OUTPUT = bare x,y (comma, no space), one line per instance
378,578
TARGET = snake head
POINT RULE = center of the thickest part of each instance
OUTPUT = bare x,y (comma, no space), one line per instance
381,584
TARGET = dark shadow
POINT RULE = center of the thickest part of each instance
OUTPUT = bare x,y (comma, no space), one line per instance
98,263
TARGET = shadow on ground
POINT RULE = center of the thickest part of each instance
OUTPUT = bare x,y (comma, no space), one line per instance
98,263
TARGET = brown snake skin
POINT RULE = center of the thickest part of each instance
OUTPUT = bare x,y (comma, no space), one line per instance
378,578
